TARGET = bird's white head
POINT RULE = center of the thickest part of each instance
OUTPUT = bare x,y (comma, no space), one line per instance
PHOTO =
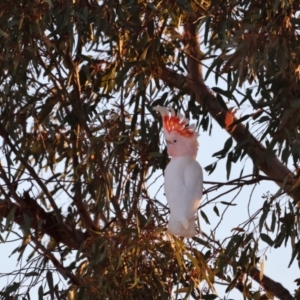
181,137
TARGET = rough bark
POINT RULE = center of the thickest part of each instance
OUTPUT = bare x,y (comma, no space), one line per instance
42,221
276,288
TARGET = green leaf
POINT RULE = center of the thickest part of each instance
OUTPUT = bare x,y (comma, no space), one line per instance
4,34
221,102
218,61
256,16
264,215
193,260
209,297
12,288
207,29
155,154
26,224
46,109
201,242
262,119
210,168
228,164
266,238
41,293
216,211
204,216
218,90
273,223
234,244
33,273
228,203
50,283
226,148
279,239
145,54
296,252
10,218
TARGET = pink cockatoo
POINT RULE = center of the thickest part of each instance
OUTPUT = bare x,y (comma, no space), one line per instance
183,175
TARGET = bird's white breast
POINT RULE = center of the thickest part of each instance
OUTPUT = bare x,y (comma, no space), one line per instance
174,182
175,169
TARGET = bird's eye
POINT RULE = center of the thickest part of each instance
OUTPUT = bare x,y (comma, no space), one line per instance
174,141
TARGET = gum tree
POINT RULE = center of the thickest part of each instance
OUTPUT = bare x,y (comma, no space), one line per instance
81,148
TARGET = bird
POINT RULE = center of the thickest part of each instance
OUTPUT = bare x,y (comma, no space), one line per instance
183,176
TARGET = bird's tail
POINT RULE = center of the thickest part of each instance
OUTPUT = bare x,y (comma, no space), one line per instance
182,226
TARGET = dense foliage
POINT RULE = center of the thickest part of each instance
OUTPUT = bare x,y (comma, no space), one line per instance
81,144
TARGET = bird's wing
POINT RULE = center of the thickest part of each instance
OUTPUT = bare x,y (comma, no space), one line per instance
193,183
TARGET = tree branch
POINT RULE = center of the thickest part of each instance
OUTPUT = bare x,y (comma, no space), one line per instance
59,267
32,172
11,187
78,199
42,221
276,288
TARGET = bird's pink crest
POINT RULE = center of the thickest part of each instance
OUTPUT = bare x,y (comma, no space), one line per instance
177,123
